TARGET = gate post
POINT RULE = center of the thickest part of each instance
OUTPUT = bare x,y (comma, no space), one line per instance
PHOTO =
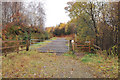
70,45
27,45
89,46
73,46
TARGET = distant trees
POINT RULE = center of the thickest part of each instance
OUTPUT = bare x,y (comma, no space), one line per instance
8,10
59,30
36,14
62,29
96,20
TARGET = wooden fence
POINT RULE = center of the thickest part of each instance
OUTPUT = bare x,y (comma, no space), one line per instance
17,45
85,45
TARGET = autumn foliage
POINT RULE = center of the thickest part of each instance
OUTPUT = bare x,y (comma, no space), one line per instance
19,25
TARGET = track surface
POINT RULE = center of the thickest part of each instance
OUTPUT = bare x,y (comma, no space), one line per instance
55,46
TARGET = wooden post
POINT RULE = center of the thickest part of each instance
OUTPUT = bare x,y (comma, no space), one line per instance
70,45
18,47
73,46
89,47
118,29
17,44
27,45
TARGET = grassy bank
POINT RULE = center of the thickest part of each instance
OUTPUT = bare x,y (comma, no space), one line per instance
107,67
26,64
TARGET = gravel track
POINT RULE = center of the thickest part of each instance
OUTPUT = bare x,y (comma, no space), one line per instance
55,46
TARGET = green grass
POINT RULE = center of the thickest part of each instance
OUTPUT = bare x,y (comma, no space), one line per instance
70,54
109,66
40,44
54,38
89,58
67,44
86,59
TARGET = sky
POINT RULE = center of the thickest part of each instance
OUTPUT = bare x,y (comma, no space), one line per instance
55,13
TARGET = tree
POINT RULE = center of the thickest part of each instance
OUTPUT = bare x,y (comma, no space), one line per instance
99,19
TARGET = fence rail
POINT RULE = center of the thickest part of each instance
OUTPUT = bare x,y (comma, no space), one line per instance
15,46
85,45
13,41
18,44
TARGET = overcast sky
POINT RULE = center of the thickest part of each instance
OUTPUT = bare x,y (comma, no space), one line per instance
55,12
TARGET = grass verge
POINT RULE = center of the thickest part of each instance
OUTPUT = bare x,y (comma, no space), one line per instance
108,67
70,54
26,64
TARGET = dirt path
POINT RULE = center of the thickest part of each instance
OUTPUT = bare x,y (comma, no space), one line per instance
56,46
65,67
62,66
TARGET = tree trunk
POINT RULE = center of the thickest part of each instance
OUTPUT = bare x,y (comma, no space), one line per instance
119,28
94,24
